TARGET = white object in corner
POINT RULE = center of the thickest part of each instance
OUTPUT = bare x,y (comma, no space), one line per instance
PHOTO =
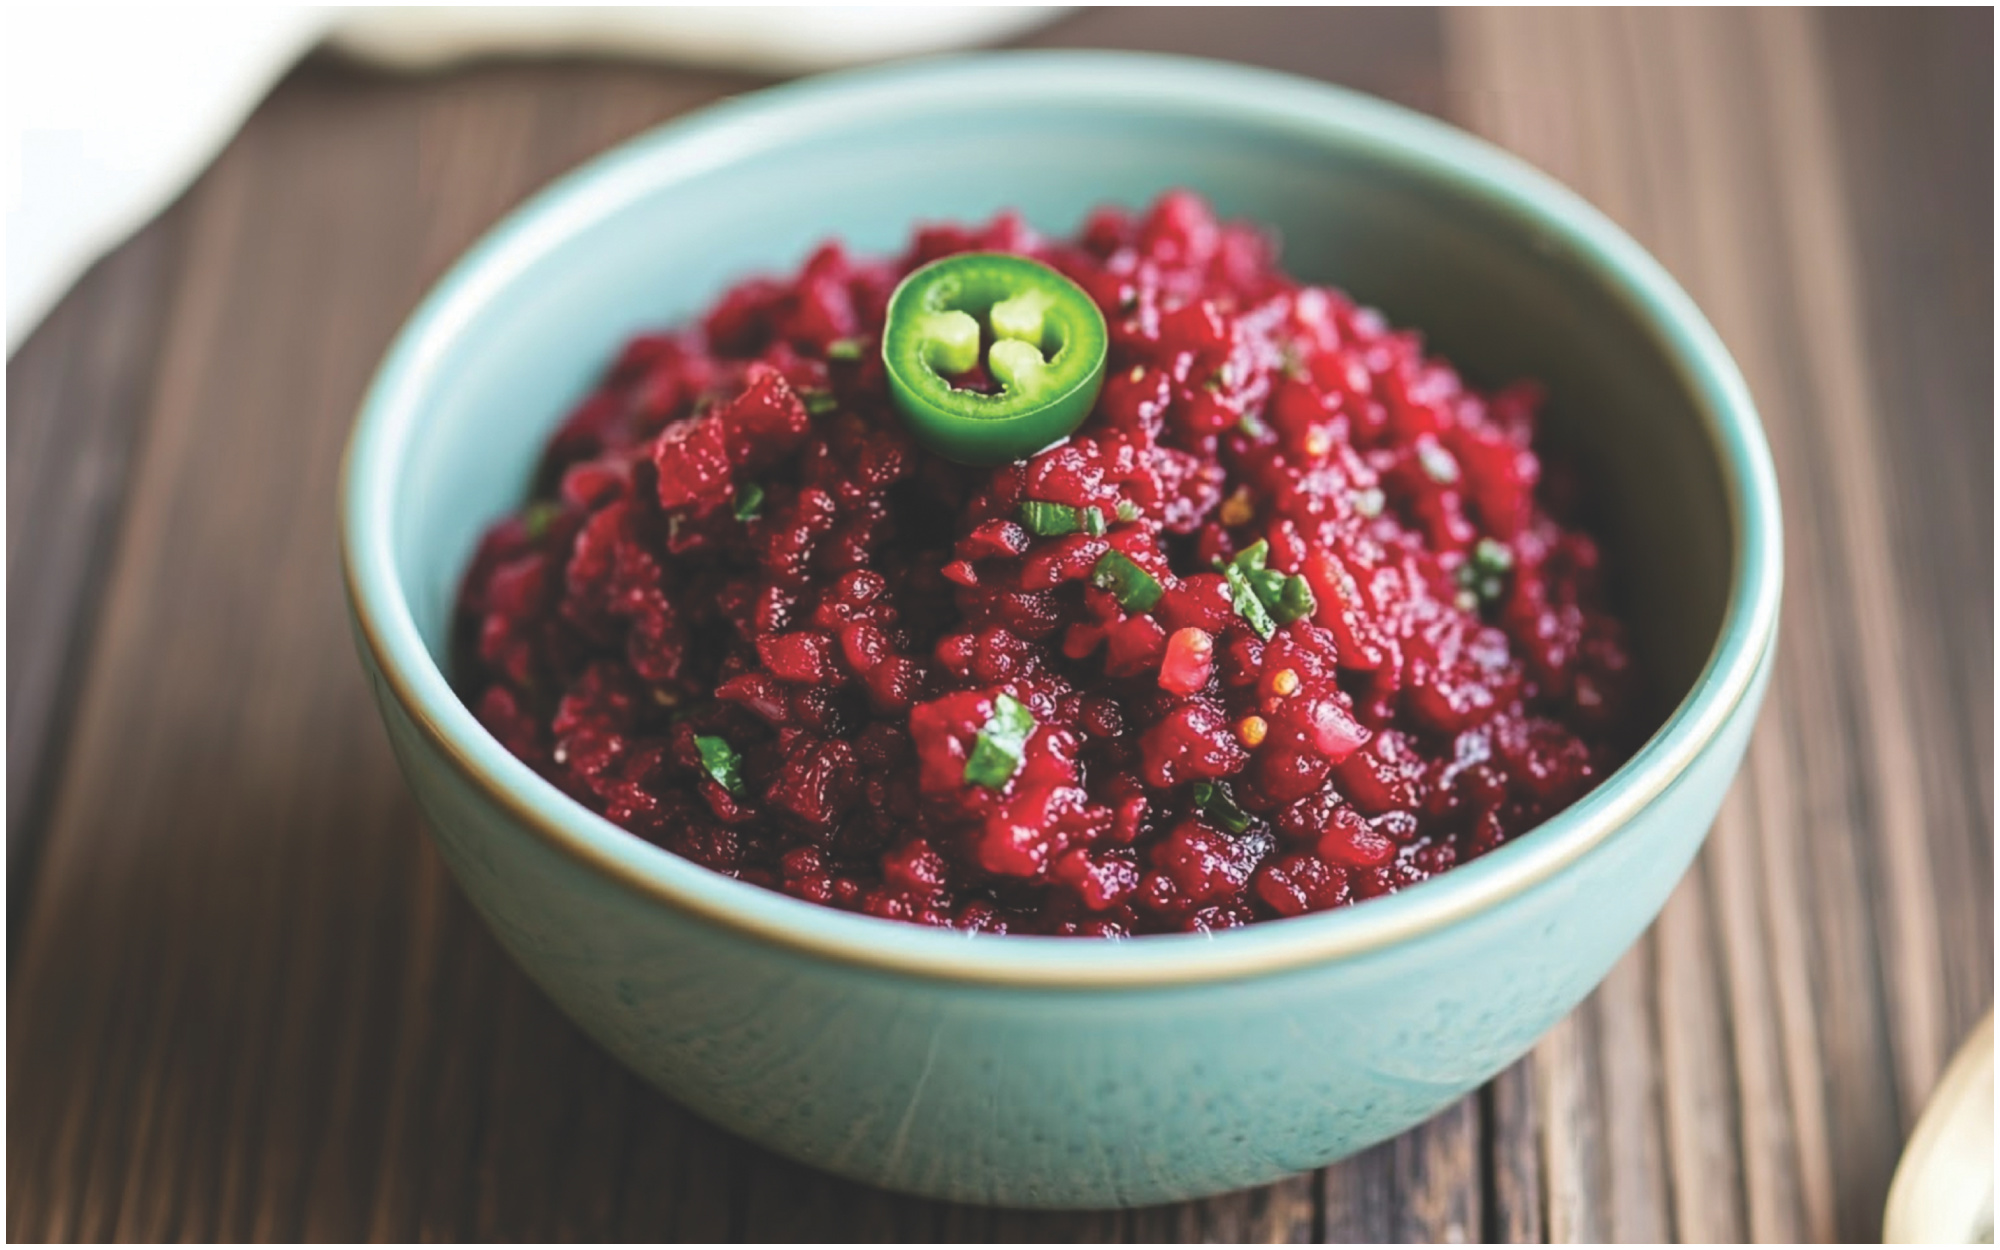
1943,1191
113,113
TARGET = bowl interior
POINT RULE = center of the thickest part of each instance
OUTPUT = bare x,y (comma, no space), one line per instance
659,232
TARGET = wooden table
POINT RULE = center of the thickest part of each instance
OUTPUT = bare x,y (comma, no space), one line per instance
245,1000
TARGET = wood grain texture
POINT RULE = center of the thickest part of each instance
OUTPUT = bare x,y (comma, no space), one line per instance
76,396
1800,990
246,1001
1919,197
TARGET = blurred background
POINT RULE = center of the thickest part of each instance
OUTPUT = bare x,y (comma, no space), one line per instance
244,999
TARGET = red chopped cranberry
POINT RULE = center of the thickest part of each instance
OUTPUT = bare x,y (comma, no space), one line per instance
1296,884
1352,841
748,618
1189,660
805,657
1192,742
1205,864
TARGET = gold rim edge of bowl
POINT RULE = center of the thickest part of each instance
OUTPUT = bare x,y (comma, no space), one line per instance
1448,910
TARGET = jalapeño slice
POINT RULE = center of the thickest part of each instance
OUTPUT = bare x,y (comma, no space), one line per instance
1041,338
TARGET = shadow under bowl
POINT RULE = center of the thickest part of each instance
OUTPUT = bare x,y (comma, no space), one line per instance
1045,1071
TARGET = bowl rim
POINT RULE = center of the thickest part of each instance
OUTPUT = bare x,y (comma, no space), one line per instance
742,127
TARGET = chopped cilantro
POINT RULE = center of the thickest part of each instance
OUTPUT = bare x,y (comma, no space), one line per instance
996,753
1263,596
1266,584
1216,803
1135,588
1255,556
1294,602
1244,599
722,763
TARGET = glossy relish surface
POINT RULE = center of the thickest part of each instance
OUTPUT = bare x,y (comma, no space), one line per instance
1295,618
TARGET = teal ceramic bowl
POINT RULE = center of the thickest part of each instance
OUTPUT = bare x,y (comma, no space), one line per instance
1044,1071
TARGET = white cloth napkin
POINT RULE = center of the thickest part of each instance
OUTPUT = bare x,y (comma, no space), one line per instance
112,113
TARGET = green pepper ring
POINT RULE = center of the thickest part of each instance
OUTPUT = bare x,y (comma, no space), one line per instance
1045,396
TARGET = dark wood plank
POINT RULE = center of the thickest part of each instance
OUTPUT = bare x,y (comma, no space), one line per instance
1697,1080
1397,54
76,390
1620,1029
1514,1201
1783,1172
1424,1186
1809,978
1912,103
1282,1213
234,865
248,1002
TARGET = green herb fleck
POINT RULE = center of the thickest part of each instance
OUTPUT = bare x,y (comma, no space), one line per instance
749,502
1050,520
1264,596
819,403
844,349
1127,510
1492,556
539,516
1135,588
1253,425
1484,574
1294,601
1093,522
1266,584
722,763
996,753
1216,803
1253,557
1244,599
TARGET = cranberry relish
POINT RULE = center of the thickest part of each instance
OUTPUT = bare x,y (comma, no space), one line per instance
750,620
